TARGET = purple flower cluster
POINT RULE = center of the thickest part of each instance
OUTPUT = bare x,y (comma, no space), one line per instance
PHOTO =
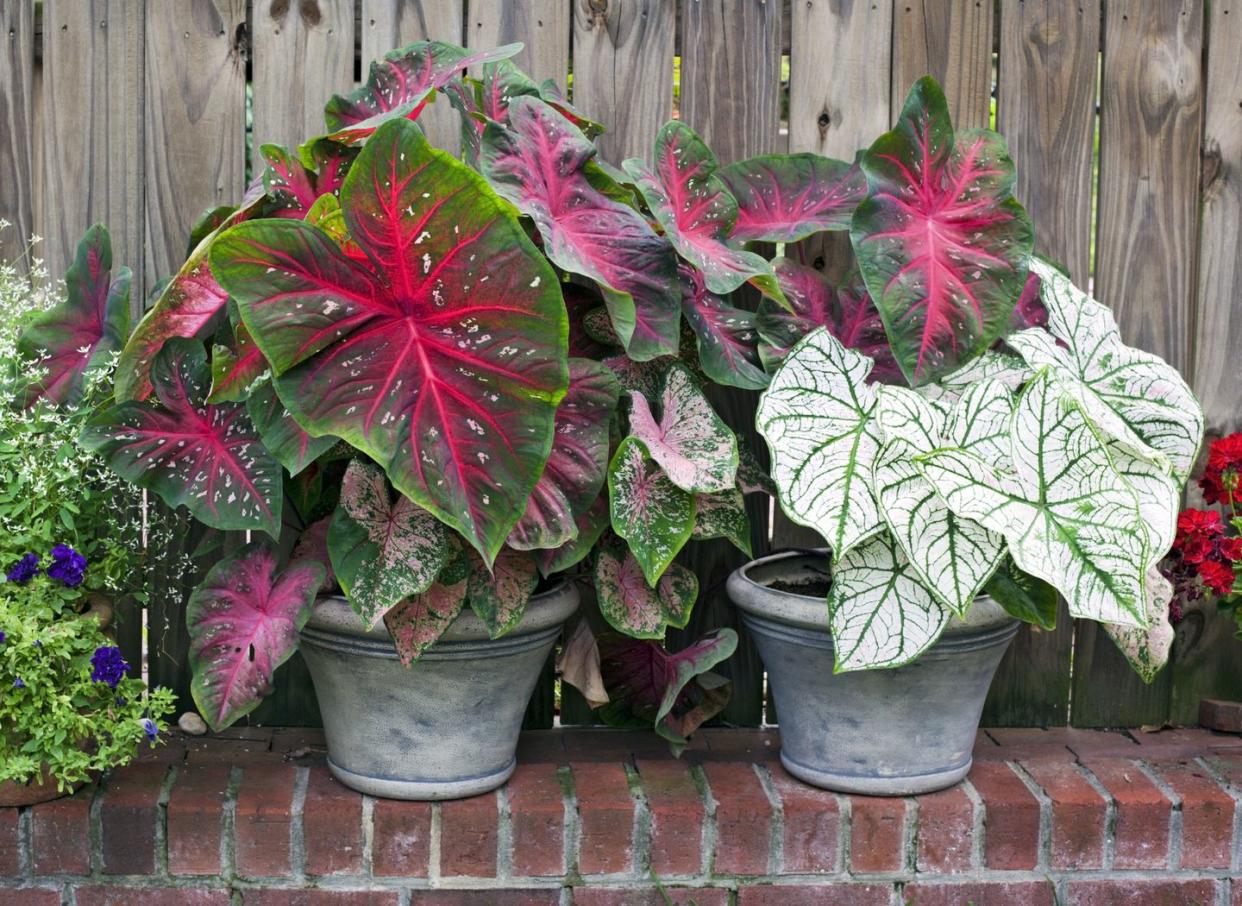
150,729
24,569
107,666
67,565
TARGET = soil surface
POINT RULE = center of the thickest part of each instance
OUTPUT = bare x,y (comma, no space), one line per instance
811,588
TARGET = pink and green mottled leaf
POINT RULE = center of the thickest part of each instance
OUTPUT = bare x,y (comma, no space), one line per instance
674,691
693,446
634,606
236,367
88,325
650,512
282,435
205,457
383,549
312,545
539,163
728,341
787,197
641,377
941,241
696,211
572,479
442,357
418,622
499,595
722,515
243,622
590,526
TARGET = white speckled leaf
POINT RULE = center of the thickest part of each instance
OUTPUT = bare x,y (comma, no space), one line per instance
1067,516
634,606
650,512
816,416
1147,650
881,615
418,622
980,420
499,596
1159,496
693,446
723,515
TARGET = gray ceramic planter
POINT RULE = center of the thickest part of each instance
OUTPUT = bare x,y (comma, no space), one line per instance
894,732
443,729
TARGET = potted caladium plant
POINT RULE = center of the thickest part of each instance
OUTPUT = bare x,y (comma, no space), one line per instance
971,437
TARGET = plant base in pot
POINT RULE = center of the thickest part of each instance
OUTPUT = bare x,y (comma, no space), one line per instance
895,732
448,726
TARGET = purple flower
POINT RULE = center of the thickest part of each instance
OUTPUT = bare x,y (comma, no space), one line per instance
18,683
25,569
2,636
149,727
67,565
108,666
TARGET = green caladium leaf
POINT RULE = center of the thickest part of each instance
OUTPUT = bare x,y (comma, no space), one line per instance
1148,649
283,437
590,526
1066,514
237,366
383,550
650,512
636,607
723,515
881,614
817,419
1024,597
1134,397
692,444
499,595
418,622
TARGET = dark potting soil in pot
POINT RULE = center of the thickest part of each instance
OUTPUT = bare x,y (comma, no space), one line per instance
810,588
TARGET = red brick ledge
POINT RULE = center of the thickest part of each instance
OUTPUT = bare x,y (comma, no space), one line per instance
594,817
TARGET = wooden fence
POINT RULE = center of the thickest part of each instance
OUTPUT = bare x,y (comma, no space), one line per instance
1124,118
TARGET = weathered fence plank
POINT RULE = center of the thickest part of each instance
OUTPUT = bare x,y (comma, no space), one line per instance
951,41
17,133
544,26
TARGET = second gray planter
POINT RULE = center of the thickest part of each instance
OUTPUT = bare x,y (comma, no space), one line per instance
896,732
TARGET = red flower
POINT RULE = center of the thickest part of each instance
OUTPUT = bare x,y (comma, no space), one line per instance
1197,532
1230,549
1217,576
1222,476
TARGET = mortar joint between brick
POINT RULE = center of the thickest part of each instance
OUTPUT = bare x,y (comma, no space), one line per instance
1044,853
25,833
776,836
434,843
368,836
640,838
95,830
1235,850
846,836
910,836
228,826
977,817
504,834
161,821
1110,814
1175,811
297,825
572,837
710,832
1223,889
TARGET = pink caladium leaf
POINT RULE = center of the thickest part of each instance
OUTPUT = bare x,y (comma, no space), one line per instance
591,525
206,457
441,356
498,596
237,366
723,515
693,446
243,622
88,325
728,341
643,377
292,187
383,549
787,197
283,437
650,512
399,85
572,479
634,606
648,685
418,622
696,211
312,545
1030,310
941,241
539,162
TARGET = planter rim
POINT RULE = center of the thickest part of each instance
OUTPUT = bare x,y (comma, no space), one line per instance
748,588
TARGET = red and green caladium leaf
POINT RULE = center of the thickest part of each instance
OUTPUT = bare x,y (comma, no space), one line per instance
418,622
243,623
293,187
650,512
85,328
787,197
442,357
674,691
726,336
590,525
283,437
499,595
696,211
206,457
540,164
572,479
941,241
634,606
400,84
237,366
383,550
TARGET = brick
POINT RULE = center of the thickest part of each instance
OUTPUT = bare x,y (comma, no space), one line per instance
743,819
980,893
547,897
677,816
150,896
60,834
29,896
1129,892
401,843
945,833
332,825
651,896
847,894
10,846
320,898
605,819
877,834
1223,716
127,819
468,837
195,819
537,816
264,824
1207,815
1011,817
1079,814
1142,814
812,825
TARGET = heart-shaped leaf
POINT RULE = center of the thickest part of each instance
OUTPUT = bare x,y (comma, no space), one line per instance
540,164
499,595
78,334
237,366
1024,597
383,550
282,436
243,622
787,197
418,622
650,512
723,515
941,241
205,457
293,187
728,341
1148,649
442,357
634,606
590,526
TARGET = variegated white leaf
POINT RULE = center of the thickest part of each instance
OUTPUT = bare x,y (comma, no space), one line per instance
1147,650
816,416
908,420
1159,497
1067,515
980,421
881,615
1010,370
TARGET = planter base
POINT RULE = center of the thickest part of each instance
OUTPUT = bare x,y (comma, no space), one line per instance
424,790
870,785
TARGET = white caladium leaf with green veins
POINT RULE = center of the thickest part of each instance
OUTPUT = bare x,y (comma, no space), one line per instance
1067,515
817,417
1135,397
1159,497
1148,649
881,614
693,446
650,512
